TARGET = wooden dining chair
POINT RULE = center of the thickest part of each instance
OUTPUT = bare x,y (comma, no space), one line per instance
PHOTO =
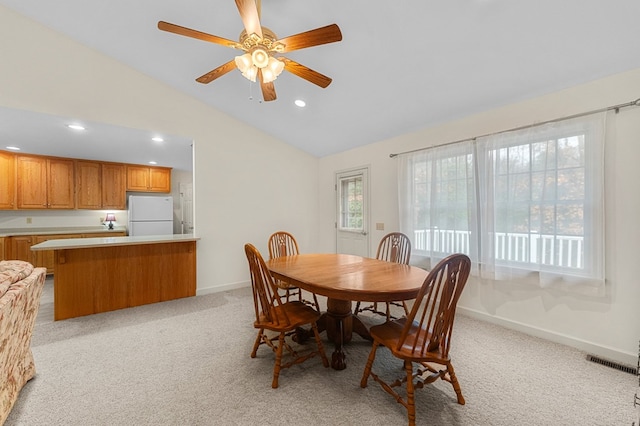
283,318
424,336
282,243
393,247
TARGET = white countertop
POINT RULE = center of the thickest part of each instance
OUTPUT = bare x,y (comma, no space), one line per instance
74,243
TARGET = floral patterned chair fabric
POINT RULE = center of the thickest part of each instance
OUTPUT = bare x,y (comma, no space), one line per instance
20,290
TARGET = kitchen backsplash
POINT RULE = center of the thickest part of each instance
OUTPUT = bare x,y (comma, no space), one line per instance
11,219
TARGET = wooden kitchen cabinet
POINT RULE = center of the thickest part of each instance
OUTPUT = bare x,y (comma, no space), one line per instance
20,248
100,185
114,186
60,184
7,180
148,179
3,251
45,183
88,184
32,182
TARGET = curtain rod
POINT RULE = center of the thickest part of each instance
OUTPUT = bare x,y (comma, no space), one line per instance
582,114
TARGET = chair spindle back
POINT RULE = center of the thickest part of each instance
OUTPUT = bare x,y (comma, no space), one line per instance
395,247
265,294
282,243
429,324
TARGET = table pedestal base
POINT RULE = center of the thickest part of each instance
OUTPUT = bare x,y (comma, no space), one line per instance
340,324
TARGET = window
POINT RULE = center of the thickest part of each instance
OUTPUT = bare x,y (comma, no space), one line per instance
351,203
522,204
440,200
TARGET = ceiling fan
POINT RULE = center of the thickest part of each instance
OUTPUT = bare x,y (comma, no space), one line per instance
262,59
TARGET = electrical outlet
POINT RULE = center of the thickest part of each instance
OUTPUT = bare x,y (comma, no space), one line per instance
28,220
379,226
102,220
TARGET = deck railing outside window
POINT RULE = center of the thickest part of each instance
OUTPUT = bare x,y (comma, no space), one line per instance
559,250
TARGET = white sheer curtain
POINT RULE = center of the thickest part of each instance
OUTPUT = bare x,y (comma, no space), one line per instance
437,196
526,205
541,192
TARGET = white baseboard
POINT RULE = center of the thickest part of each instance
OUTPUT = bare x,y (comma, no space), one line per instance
226,287
605,352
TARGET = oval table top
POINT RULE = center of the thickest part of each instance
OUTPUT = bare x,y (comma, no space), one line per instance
349,277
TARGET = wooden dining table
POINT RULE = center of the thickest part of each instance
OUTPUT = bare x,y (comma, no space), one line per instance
344,278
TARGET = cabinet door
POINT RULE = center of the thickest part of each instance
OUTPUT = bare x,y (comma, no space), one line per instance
148,179
7,180
159,179
32,182
61,184
21,248
114,195
2,249
88,185
137,178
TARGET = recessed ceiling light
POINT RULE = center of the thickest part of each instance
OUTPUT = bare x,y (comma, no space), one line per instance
300,103
153,162
13,148
157,139
75,126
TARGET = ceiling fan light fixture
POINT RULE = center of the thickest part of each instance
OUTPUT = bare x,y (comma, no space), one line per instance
260,57
267,75
251,73
273,69
275,65
244,62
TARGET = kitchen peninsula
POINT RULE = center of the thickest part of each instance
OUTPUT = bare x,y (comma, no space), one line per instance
93,275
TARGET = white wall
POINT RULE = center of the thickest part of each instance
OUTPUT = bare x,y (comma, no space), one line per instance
608,326
243,186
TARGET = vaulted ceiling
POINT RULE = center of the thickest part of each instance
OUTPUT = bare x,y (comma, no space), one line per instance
401,66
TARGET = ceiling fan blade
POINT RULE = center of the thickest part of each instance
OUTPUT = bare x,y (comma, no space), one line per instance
268,89
323,35
218,72
250,16
188,32
307,73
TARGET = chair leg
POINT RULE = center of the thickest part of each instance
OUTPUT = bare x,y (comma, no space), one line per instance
323,355
411,403
257,343
357,309
456,385
388,311
367,368
276,367
406,308
315,300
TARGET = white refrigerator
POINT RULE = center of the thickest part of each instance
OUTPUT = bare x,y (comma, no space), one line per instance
149,215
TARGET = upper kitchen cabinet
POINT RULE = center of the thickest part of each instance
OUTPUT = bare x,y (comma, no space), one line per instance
88,184
114,195
100,185
148,179
7,180
45,183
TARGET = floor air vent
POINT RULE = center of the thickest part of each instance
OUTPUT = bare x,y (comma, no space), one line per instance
626,368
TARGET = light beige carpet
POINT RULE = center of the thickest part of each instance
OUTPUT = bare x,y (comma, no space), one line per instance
186,362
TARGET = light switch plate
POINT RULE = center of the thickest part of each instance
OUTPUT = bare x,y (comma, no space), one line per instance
379,226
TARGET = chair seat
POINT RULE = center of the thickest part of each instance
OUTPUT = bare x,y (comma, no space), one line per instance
297,312
388,335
